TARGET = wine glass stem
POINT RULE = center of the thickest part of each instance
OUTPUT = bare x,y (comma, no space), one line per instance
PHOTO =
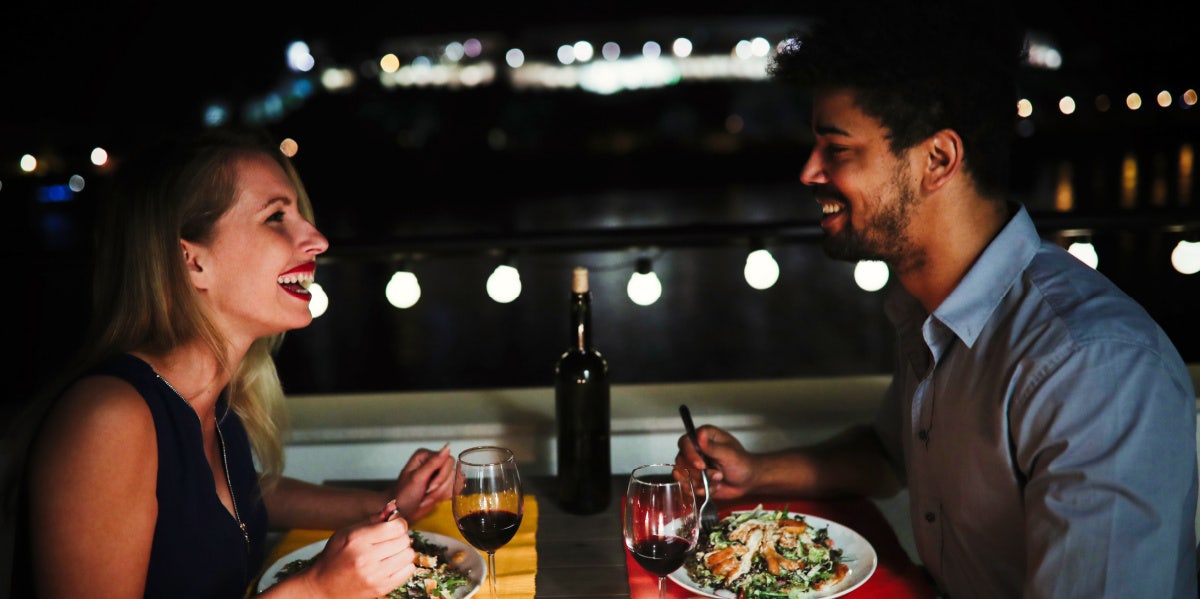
492,574
662,587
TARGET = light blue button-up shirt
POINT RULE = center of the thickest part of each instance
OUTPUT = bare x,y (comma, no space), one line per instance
1045,426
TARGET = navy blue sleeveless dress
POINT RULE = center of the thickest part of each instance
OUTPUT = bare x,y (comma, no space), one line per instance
199,550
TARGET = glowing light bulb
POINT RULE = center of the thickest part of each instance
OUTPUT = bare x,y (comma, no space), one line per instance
504,284
1186,257
1085,252
319,302
644,288
403,290
762,271
870,275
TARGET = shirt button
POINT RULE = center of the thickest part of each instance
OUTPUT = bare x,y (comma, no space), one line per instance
929,517
922,435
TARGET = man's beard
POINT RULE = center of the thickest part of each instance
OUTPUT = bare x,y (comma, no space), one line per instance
885,235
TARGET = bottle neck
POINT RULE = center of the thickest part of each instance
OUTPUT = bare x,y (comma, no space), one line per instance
581,321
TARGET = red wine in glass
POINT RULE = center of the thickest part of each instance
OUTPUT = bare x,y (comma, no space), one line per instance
661,521
661,555
488,501
489,530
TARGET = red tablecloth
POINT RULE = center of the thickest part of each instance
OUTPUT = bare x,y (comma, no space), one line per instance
895,577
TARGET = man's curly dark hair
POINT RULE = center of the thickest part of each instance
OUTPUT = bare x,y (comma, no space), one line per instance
920,67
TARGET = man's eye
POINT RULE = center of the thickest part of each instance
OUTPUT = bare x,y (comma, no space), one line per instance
835,150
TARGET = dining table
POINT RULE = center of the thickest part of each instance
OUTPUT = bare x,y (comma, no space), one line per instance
558,554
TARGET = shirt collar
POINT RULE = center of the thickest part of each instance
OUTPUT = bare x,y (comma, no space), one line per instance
971,304
974,299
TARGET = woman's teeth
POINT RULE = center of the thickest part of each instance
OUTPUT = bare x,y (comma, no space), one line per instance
303,279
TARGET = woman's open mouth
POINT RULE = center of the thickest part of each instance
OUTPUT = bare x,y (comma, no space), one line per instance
297,280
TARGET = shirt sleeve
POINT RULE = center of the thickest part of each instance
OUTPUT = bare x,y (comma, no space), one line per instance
1105,435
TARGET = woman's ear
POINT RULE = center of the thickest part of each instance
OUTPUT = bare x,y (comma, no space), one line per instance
192,261
944,158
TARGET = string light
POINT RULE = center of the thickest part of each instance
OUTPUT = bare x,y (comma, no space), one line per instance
644,287
870,275
403,290
504,284
319,302
1086,252
1186,257
761,271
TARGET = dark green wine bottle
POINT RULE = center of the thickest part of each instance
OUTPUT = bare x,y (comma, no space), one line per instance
581,404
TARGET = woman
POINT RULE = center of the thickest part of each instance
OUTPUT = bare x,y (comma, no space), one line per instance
141,478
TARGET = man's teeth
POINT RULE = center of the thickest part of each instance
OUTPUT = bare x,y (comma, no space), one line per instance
303,279
831,208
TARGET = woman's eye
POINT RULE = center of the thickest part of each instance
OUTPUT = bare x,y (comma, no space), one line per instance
276,217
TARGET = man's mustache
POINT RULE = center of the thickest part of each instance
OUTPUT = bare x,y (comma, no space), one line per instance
826,192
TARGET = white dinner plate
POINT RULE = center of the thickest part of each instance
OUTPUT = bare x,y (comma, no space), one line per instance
473,562
856,553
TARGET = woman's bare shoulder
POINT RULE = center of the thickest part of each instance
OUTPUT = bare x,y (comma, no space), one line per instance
92,479
99,417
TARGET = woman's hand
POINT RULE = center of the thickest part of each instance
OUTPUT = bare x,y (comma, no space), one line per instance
364,560
424,481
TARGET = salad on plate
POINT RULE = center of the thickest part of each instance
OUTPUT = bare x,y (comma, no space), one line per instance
438,574
765,554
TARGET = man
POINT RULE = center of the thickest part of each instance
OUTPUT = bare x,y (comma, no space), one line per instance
1042,422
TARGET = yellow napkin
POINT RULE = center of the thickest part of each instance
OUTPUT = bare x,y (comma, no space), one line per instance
516,562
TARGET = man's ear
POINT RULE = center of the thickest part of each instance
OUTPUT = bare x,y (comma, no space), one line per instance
944,158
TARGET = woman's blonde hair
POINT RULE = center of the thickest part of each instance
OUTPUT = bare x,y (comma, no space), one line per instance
143,298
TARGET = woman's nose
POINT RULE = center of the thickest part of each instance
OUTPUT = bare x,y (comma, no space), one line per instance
314,242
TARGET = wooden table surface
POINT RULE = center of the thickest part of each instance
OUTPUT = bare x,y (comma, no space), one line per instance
579,556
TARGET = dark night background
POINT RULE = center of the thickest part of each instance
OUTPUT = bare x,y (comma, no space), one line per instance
584,179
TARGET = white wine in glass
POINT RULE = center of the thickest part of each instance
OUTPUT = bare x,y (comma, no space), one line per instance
661,521
488,501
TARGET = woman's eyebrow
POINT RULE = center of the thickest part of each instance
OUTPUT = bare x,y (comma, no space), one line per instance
284,200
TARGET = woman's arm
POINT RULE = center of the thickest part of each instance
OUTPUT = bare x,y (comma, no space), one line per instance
92,479
300,504
424,481
366,560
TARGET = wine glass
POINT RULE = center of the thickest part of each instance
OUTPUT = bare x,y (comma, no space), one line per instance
488,501
662,524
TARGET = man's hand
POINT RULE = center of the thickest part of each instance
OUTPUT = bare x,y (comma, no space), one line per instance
733,473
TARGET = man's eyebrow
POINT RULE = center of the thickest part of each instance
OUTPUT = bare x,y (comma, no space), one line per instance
830,130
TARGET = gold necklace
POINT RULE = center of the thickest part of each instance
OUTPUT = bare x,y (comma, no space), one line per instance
224,458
